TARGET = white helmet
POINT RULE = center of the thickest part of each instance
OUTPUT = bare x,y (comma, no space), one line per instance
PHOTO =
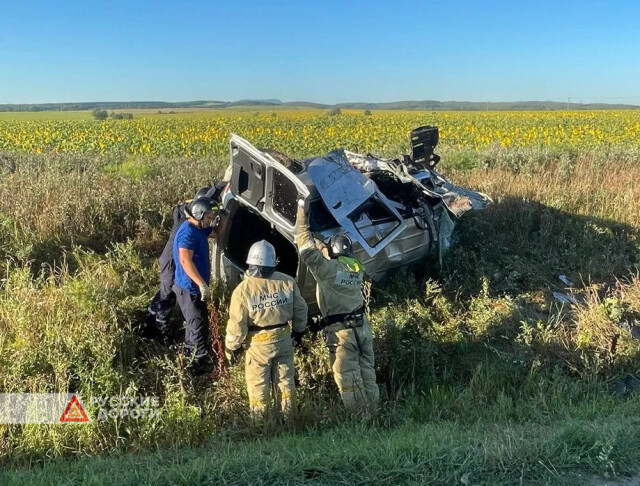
262,254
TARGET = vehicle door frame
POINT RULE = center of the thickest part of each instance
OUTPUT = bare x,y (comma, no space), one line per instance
269,166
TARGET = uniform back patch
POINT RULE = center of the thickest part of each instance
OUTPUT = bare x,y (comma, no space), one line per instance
268,300
349,279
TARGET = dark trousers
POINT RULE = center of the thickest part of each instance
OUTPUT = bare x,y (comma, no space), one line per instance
194,310
165,299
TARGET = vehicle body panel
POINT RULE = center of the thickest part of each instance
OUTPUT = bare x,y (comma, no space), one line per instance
352,199
395,213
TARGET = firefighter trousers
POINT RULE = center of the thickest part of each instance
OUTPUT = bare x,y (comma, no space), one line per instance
352,363
269,365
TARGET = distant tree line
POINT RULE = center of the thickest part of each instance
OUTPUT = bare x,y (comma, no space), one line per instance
397,105
102,105
103,115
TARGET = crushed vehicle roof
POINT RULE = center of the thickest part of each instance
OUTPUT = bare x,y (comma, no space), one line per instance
370,197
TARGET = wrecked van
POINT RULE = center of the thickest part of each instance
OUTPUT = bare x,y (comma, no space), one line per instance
396,211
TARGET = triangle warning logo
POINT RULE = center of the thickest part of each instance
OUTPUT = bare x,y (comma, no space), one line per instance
74,412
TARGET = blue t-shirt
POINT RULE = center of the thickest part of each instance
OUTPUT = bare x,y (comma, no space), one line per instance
190,237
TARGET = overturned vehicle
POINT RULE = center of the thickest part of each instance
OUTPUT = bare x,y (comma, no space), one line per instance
396,211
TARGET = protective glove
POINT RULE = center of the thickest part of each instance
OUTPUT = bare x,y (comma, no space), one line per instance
205,292
300,216
233,356
297,338
315,324
303,210
322,248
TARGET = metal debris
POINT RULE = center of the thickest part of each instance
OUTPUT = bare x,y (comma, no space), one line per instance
564,298
565,280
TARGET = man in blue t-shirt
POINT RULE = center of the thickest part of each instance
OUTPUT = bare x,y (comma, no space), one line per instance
165,299
193,270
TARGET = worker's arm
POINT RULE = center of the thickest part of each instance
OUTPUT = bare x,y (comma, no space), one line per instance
216,190
238,323
299,311
186,262
310,255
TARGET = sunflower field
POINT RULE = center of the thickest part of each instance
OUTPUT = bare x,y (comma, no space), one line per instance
303,133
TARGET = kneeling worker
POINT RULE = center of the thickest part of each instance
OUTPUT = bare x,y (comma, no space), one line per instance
348,334
259,313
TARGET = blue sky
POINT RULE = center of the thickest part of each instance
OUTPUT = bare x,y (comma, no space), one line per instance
323,51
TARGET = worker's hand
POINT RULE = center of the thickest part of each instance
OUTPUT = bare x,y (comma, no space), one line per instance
314,323
205,292
296,337
302,213
320,245
303,205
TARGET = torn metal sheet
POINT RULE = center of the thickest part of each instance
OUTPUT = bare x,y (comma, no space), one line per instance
355,202
565,280
445,230
564,298
458,200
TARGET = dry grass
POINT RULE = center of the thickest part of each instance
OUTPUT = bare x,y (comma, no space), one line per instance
486,344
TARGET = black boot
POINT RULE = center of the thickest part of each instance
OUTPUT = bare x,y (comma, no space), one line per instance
201,366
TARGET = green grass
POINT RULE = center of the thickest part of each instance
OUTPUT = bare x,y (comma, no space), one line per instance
567,448
486,379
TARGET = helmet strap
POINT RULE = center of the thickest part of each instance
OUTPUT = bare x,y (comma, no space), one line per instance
260,271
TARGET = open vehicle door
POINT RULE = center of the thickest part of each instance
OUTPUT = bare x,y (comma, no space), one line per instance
355,202
264,184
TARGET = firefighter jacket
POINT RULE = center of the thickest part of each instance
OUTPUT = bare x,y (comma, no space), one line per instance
262,302
339,289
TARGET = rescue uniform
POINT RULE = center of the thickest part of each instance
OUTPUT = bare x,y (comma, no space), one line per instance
259,312
194,310
348,333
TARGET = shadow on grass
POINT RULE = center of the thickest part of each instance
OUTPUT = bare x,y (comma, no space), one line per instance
521,246
494,306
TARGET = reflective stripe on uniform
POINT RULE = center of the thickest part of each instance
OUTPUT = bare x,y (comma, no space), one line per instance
256,402
351,263
266,336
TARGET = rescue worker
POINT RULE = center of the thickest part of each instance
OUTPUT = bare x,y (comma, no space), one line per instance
347,332
259,313
192,276
165,299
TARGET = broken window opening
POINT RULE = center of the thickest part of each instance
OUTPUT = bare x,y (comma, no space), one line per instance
374,221
284,197
320,219
247,179
243,181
